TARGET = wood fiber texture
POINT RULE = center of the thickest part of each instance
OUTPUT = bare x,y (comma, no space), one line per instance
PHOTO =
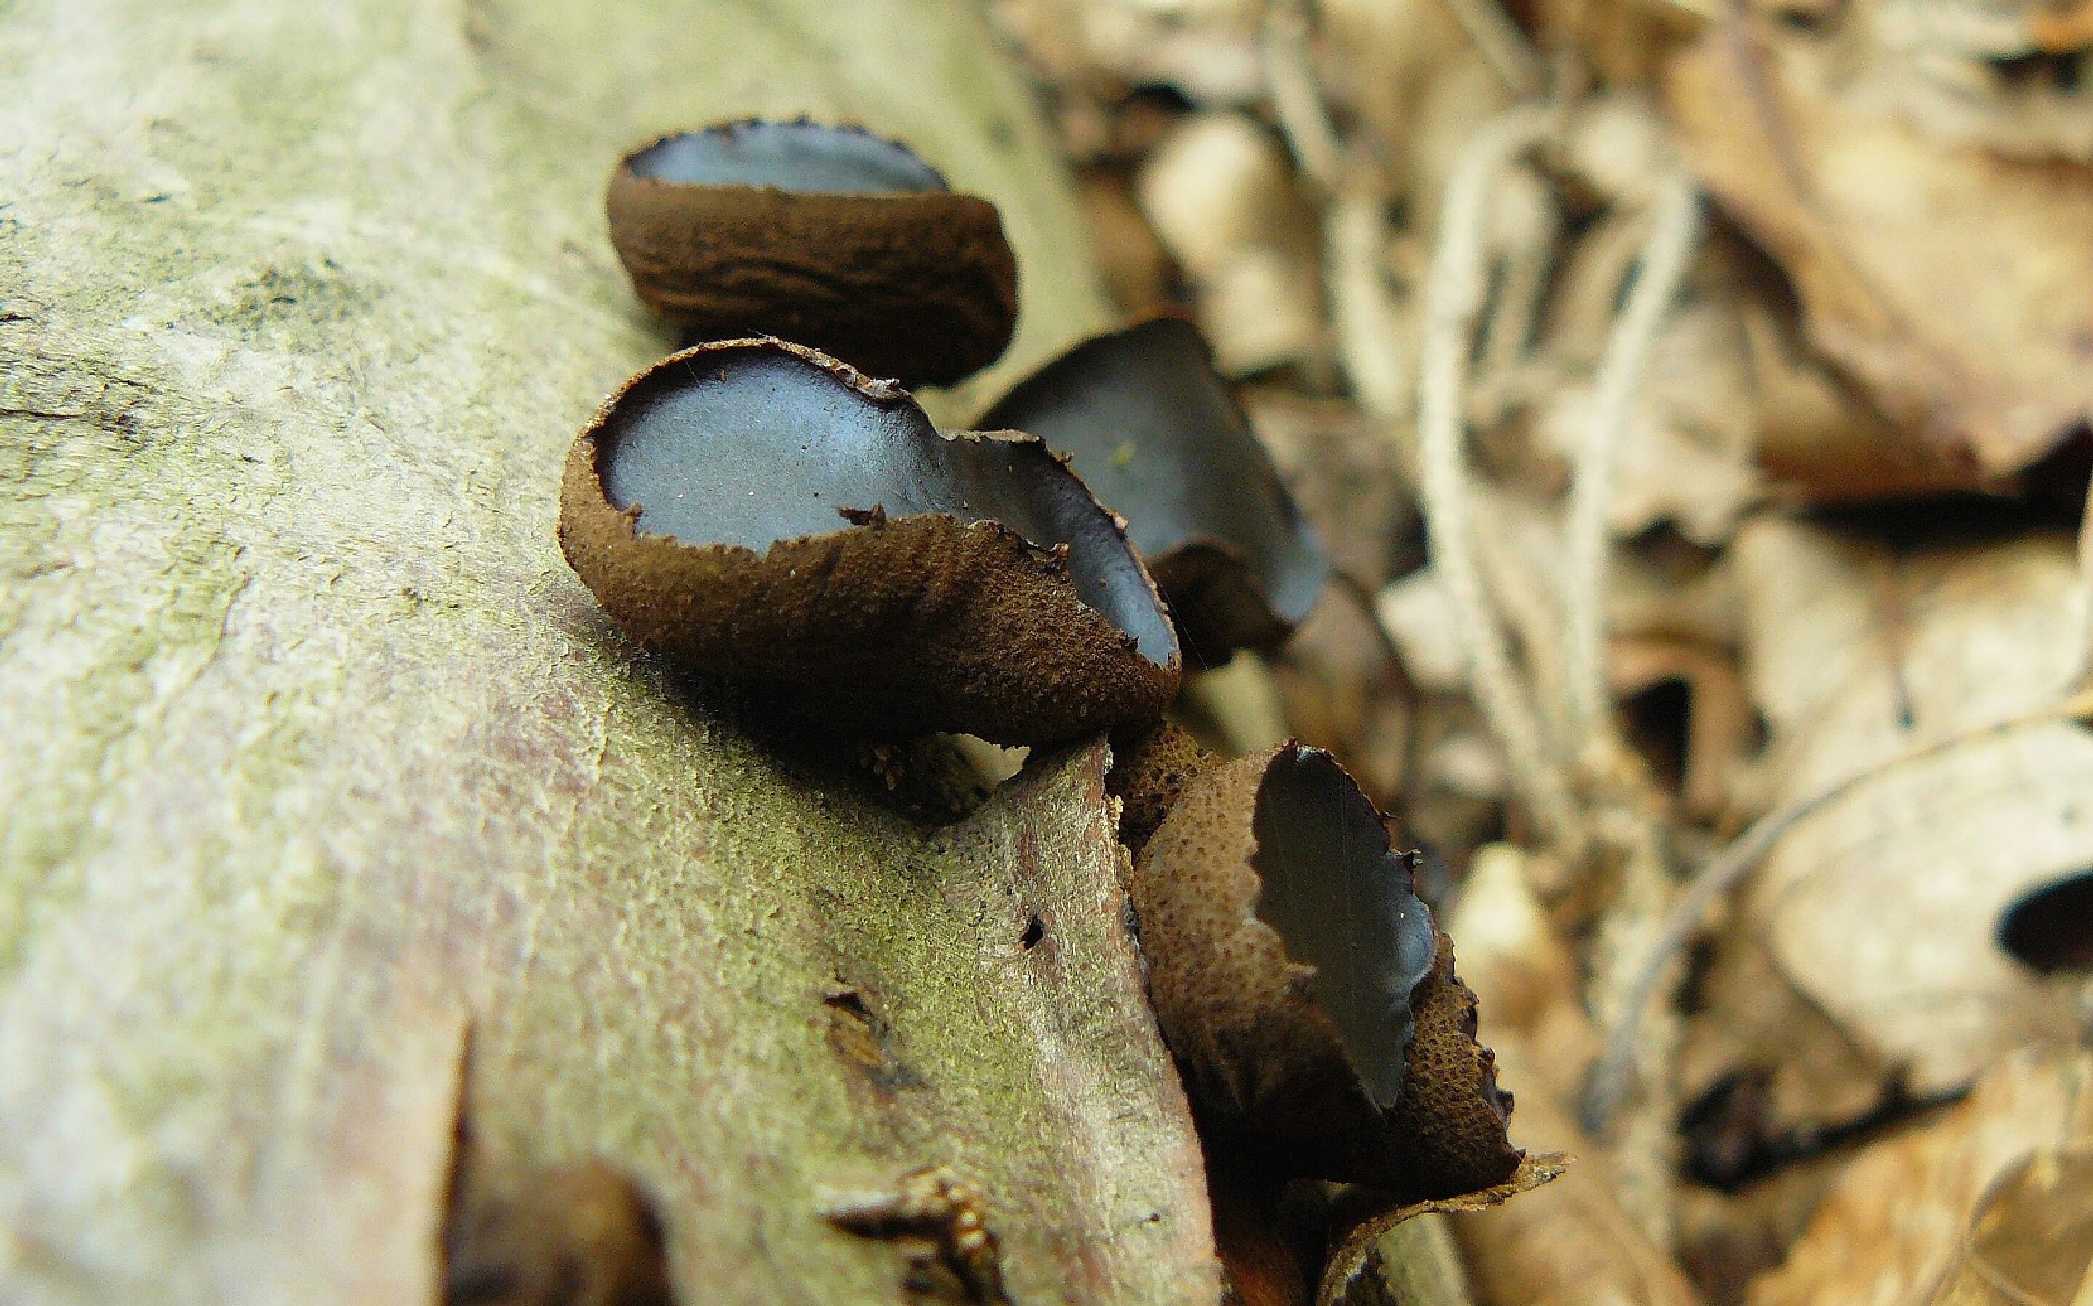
318,757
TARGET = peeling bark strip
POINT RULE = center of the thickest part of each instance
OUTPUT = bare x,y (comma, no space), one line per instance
318,751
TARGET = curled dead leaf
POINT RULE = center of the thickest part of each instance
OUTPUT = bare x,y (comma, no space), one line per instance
1988,1200
1951,282
1859,650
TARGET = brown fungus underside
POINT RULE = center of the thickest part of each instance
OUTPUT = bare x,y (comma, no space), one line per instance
828,235
757,510
1151,766
1304,990
1156,433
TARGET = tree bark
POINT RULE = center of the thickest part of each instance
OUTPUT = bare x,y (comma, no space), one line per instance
320,765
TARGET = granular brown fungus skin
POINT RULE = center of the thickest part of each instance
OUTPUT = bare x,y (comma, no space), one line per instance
1304,990
1151,766
1450,1106
824,234
1154,430
759,511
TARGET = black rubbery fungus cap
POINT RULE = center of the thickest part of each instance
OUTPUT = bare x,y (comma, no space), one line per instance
828,235
757,510
1156,433
1304,989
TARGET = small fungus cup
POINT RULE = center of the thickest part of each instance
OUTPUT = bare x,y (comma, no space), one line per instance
757,510
828,235
1305,991
1155,432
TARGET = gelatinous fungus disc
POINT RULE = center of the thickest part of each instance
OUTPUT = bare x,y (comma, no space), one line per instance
758,510
1154,430
828,235
1304,989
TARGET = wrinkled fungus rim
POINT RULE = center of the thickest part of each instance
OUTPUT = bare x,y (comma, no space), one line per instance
602,439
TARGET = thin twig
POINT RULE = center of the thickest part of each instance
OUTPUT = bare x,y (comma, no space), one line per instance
1398,676
1296,100
1663,266
1501,44
1454,299
1372,329
1728,869
1509,332
2083,678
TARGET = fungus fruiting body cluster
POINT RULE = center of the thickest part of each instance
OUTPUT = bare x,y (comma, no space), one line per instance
759,507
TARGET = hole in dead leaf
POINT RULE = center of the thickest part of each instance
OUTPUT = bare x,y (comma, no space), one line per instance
1656,720
2061,72
1761,735
1807,22
2051,929
1677,557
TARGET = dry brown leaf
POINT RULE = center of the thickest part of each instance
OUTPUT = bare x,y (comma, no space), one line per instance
1205,48
2007,77
1883,907
1341,689
1570,1242
1357,1244
1749,1017
1818,438
1625,43
1376,58
1455,796
1214,182
2032,1238
1343,692
1520,542
1685,454
1784,1072
1219,191
1342,469
1987,1204
1956,285
1132,262
1615,147
1419,617
1456,94
1724,1241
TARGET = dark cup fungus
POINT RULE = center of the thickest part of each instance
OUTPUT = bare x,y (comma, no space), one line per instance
1156,433
757,510
1304,990
828,235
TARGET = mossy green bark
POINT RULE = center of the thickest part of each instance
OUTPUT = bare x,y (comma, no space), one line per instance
317,756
